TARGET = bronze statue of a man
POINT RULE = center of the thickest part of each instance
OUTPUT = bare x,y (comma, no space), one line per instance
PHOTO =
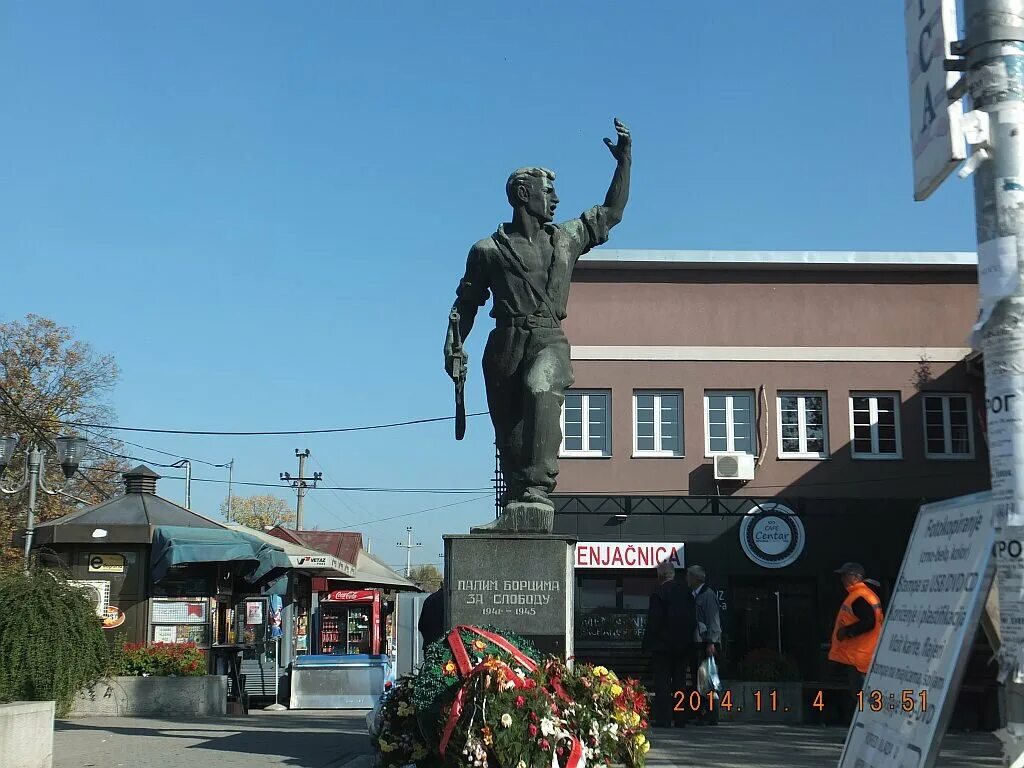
527,265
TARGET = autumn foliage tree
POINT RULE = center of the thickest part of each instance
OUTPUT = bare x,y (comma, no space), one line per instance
47,379
427,576
259,511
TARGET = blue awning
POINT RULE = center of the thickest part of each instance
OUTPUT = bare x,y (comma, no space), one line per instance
258,561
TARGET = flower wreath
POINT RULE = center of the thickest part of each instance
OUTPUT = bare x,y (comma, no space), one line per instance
485,698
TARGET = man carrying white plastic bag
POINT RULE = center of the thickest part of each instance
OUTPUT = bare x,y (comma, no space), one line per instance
707,638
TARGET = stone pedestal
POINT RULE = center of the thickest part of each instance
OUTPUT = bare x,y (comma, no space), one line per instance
523,583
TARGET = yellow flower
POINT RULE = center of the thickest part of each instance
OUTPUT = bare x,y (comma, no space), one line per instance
450,669
616,690
640,739
647,747
634,718
385,746
479,644
419,753
600,671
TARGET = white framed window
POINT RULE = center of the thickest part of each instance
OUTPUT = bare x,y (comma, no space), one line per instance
803,425
875,425
729,422
657,423
948,430
586,424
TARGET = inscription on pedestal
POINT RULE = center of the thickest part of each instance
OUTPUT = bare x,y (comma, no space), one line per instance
510,598
520,583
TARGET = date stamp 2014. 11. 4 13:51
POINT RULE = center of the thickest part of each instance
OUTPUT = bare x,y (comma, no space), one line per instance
770,701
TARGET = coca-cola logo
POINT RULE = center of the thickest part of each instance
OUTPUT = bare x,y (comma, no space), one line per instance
350,594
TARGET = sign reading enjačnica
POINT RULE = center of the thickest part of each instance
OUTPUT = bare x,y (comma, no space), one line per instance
618,554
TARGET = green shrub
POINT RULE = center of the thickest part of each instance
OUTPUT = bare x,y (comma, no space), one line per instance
51,640
766,665
159,660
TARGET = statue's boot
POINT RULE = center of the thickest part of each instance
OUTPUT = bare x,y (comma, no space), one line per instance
531,512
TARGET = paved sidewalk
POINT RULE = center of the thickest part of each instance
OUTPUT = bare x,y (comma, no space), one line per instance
332,739
749,745
302,738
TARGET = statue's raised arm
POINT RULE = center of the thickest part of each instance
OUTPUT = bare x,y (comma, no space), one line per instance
618,193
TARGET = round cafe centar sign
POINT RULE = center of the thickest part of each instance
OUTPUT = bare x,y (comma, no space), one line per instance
772,535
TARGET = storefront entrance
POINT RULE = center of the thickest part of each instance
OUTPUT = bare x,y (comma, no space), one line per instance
611,615
775,613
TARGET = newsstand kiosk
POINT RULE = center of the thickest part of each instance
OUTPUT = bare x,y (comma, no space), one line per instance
348,668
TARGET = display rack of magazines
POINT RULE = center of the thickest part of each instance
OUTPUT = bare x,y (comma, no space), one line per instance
180,620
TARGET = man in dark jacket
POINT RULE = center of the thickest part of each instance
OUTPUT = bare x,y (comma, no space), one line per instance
671,621
431,624
708,635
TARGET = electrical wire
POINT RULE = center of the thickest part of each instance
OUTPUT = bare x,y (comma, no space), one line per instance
361,489
418,512
114,455
268,433
20,413
157,450
43,436
103,494
325,508
337,495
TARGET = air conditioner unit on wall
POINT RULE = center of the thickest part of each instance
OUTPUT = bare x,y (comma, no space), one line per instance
734,466
98,592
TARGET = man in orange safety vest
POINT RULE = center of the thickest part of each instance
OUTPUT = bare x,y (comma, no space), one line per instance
858,625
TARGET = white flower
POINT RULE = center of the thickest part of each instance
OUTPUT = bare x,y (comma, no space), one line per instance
595,729
521,764
547,726
613,729
506,720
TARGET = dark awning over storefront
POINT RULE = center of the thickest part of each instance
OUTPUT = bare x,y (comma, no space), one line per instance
173,545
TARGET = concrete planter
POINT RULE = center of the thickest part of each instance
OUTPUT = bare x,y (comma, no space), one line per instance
749,707
204,696
26,734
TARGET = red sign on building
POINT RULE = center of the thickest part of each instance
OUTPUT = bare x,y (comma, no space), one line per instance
618,554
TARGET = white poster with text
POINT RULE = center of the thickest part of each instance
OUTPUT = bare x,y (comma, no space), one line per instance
926,638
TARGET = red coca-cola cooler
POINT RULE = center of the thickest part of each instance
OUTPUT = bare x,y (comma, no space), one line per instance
350,622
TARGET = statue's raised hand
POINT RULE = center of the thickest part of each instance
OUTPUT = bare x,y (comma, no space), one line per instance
623,150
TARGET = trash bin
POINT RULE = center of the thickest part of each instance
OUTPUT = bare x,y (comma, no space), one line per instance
338,682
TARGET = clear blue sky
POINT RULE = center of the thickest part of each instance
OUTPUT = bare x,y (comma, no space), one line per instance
262,209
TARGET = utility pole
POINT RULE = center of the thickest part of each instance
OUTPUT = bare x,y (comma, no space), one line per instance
188,480
993,50
498,480
408,547
301,483
231,473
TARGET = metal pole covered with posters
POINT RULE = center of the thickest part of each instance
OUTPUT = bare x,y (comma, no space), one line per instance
994,52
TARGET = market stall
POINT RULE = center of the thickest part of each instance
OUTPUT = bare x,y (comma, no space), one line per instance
351,654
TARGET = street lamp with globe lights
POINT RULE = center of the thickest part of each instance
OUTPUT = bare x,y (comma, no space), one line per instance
70,450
